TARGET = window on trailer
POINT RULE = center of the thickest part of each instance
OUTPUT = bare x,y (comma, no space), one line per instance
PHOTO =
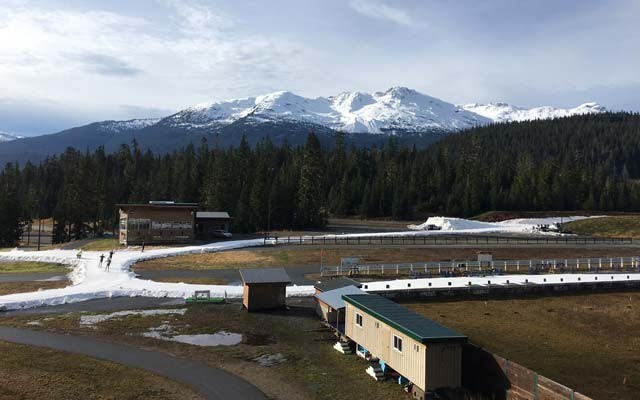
359,319
397,343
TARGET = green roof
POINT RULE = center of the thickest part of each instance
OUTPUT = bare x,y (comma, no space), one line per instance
412,324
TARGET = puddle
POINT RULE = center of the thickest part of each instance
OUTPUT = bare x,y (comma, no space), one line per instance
267,360
222,338
91,320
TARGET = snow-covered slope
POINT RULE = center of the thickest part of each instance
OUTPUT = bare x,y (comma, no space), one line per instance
503,112
6,137
397,109
121,126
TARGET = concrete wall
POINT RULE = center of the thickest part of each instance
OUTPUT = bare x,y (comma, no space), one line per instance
500,379
263,296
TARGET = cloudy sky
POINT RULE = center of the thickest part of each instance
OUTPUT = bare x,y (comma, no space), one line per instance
65,63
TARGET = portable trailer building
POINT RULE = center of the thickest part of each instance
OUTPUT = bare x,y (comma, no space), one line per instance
264,288
421,350
330,305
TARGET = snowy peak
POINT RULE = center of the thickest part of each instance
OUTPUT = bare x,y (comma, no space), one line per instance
123,126
503,112
6,137
397,109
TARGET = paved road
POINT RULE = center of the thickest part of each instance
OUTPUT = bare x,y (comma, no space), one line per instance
212,383
99,305
231,276
45,276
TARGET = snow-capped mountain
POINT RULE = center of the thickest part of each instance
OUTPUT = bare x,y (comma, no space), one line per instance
122,126
6,137
503,112
397,109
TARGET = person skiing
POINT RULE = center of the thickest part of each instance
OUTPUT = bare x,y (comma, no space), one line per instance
142,251
79,255
101,260
108,264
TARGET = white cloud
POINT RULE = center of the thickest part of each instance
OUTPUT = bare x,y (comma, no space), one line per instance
95,61
379,10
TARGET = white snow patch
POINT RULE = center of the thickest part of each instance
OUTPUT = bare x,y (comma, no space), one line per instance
519,225
90,320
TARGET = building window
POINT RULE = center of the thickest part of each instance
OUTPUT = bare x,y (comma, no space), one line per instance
377,324
397,343
359,319
123,224
416,347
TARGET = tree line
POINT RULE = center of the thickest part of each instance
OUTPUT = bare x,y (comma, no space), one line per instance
589,162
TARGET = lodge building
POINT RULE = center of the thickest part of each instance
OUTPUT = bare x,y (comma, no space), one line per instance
166,222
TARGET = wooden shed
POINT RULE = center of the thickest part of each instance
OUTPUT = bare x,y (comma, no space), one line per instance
424,352
264,288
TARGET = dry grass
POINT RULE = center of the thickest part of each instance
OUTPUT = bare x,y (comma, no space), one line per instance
195,281
588,342
615,226
32,286
292,256
31,267
28,372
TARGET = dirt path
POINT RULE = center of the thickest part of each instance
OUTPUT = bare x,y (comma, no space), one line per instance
212,383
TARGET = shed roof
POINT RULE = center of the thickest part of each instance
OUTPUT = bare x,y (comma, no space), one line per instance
264,275
414,325
333,298
336,283
213,215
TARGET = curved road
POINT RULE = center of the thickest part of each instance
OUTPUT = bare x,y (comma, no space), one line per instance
212,383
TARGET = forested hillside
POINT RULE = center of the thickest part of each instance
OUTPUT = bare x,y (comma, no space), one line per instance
587,162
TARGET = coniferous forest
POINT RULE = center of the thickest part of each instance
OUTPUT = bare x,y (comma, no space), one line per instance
589,162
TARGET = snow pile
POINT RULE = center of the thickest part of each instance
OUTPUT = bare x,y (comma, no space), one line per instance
519,225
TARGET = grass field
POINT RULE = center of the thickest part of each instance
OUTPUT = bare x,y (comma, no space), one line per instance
615,226
284,257
588,342
104,244
194,280
30,267
31,286
313,370
28,372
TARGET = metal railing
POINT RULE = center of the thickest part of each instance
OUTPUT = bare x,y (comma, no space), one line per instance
444,240
473,268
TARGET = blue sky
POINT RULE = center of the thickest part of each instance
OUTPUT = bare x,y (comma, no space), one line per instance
65,63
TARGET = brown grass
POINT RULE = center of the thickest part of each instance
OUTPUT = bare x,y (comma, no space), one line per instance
32,286
292,256
195,281
588,342
28,372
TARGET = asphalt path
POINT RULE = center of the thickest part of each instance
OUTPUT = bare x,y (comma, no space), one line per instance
44,276
231,276
99,305
212,383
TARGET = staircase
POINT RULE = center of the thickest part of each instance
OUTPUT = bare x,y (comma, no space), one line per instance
343,347
375,370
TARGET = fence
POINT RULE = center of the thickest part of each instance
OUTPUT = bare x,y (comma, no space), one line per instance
498,378
445,240
473,268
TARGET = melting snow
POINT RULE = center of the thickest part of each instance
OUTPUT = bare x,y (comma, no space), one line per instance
90,320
